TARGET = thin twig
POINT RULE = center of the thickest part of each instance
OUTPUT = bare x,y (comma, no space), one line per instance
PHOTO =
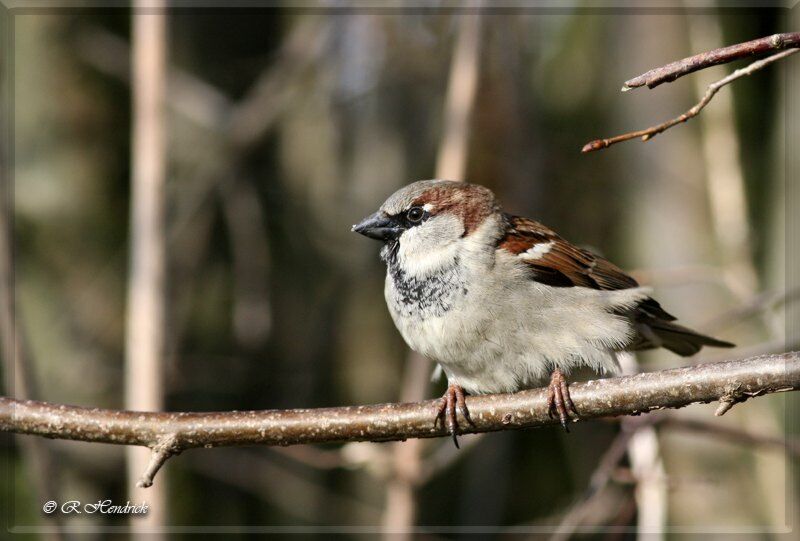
725,404
674,70
630,395
158,457
713,88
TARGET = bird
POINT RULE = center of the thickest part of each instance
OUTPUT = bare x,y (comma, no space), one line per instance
503,303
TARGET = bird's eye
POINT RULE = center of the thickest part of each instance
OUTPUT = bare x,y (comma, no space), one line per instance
415,214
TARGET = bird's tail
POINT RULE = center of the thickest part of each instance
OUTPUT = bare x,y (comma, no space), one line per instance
680,339
656,328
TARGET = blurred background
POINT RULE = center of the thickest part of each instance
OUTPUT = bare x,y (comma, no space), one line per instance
180,188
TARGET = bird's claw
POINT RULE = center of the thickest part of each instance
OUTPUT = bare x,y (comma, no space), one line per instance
559,403
453,400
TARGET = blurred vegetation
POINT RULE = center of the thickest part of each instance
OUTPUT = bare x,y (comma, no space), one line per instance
273,303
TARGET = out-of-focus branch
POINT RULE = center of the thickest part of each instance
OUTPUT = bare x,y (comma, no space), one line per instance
17,369
757,305
250,261
146,303
652,131
608,465
445,456
256,474
647,467
270,94
732,434
400,511
192,97
451,162
462,87
729,381
602,474
727,197
242,123
724,175
723,55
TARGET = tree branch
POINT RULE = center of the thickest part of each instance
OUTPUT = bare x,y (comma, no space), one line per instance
679,68
168,434
787,44
713,88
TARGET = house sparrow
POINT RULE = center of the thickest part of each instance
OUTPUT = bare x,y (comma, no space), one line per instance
502,302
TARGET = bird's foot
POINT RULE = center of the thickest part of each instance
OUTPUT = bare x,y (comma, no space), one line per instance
452,400
559,402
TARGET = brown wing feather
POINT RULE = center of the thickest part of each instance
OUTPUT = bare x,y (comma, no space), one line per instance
560,264
563,264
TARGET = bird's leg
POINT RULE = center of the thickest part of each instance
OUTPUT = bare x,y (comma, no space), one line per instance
452,400
559,402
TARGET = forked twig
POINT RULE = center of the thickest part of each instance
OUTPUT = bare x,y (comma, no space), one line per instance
713,88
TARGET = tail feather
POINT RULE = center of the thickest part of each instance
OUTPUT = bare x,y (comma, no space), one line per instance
654,331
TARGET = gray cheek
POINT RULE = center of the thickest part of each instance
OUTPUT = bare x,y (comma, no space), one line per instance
445,226
436,232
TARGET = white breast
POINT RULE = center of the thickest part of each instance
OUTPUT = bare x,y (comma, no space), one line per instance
502,331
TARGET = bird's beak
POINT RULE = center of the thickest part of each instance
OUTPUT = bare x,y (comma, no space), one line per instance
379,226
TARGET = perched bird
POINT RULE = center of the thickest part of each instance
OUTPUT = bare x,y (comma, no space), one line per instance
502,302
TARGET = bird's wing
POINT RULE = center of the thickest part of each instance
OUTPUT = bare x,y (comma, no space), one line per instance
555,262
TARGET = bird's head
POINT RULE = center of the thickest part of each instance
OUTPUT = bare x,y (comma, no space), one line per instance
427,224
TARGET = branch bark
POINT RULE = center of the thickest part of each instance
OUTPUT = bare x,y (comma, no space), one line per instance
727,382
723,55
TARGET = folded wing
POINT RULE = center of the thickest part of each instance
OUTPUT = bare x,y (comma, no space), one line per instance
555,262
